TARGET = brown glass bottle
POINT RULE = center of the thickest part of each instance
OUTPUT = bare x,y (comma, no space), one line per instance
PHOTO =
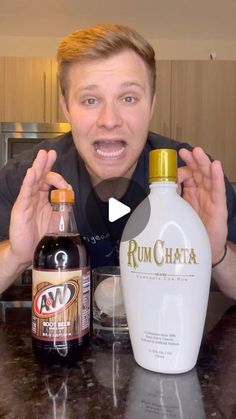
61,285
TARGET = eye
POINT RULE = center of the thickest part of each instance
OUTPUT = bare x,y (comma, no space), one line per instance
129,99
90,101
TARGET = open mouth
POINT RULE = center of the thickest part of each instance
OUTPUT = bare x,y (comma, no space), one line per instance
110,148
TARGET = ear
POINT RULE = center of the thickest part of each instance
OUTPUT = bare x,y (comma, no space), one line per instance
65,107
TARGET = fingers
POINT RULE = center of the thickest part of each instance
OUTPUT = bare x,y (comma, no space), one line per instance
201,172
41,165
44,161
195,158
56,180
198,162
218,181
185,175
39,177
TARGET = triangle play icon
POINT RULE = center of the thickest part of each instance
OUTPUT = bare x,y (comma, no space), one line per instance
116,209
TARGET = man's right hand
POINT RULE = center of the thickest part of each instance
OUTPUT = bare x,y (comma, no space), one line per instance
29,217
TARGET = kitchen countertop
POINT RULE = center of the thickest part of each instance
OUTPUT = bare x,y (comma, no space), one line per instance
108,383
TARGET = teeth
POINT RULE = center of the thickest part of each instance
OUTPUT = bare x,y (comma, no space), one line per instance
110,153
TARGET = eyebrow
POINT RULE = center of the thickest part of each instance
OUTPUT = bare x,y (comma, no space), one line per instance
125,84
131,84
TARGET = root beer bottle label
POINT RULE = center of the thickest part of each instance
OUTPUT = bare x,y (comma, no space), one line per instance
61,305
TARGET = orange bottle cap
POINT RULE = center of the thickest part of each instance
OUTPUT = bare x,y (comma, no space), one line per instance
62,195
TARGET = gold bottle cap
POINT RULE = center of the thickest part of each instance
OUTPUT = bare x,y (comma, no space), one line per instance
62,195
162,165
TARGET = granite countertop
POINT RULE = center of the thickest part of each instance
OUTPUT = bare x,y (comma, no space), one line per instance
108,383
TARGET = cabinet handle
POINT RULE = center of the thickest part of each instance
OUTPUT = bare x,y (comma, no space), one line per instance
178,132
165,130
57,99
44,95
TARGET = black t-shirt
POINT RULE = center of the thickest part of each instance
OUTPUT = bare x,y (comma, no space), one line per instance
99,237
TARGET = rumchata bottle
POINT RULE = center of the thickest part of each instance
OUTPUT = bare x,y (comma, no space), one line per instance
165,271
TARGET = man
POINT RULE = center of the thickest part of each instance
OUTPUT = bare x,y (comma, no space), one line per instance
107,77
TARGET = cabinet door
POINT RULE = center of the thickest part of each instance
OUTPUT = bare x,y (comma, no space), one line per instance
27,89
1,89
203,108
57,114
160,122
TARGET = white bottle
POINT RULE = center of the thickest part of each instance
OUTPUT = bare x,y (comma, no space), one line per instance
166,271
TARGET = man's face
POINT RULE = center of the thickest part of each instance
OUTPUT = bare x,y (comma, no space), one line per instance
109,106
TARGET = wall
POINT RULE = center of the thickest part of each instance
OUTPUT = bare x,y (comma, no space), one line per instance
21,46
165,49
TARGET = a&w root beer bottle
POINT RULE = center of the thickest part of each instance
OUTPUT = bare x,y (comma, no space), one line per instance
61,285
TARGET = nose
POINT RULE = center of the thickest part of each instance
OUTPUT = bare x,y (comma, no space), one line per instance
109,116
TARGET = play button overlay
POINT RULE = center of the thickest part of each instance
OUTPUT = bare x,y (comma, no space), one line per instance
110,204
116,209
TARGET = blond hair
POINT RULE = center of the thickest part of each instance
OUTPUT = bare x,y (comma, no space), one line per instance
102,41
